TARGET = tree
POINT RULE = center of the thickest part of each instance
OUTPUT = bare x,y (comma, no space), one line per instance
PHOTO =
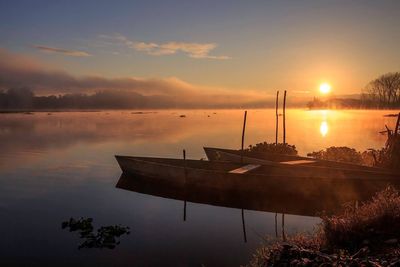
384,91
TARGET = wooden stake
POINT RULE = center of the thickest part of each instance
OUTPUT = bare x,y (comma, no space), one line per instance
283,227
184,211
184,163
244,227
243,132
284,118
277,117
184,203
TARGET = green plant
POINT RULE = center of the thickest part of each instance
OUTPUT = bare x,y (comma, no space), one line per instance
104,238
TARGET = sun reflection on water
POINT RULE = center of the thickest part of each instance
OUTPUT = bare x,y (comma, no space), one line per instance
324,128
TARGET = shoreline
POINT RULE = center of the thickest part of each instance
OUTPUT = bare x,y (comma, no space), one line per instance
10,111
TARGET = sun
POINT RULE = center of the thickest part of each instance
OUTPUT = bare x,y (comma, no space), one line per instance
325,88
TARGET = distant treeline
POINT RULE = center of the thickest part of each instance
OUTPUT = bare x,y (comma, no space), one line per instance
382,92
336,103
24,98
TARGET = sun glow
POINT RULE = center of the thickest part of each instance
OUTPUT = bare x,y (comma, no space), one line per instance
325,88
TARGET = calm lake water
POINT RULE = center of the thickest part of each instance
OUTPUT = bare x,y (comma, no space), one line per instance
61,165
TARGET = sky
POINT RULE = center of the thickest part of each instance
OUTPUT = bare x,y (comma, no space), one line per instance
225,46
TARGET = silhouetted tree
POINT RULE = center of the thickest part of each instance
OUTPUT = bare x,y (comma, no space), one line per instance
384,91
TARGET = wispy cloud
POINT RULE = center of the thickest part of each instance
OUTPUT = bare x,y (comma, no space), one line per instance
73,53
193,50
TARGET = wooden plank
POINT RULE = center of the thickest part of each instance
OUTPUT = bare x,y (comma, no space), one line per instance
297,162
245,168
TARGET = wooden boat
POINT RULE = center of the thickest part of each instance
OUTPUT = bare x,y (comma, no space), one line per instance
231,176
231,155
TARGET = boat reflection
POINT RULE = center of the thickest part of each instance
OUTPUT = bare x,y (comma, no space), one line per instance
276,202
295,204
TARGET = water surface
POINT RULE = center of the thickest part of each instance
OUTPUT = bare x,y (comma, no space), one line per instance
57,165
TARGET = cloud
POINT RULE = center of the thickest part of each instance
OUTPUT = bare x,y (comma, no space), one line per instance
193,50
18,70
73,53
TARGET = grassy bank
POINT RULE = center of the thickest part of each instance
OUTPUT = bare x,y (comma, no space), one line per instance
368,235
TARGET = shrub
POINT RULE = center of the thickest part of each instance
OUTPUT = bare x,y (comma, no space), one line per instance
283,149
343,153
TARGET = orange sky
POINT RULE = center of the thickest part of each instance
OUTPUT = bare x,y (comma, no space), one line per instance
232,46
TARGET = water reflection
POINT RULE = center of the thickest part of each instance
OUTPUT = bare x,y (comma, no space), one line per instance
295,204
323,129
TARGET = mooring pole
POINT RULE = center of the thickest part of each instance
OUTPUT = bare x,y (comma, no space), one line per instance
184,163
277,117
184,211
184,203
283,227
243,132
284,117
244,227
396,130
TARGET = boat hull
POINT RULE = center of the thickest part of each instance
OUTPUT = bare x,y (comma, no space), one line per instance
216,176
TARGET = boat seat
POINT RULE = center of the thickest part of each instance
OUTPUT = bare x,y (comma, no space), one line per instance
245,168
297,162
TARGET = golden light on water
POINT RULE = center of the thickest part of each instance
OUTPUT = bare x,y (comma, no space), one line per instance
324,128
325,88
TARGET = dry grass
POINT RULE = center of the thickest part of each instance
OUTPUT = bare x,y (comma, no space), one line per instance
371,224
368,233
389,156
